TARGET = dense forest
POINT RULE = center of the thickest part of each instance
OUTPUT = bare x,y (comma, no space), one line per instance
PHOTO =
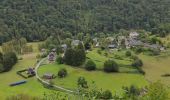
37,19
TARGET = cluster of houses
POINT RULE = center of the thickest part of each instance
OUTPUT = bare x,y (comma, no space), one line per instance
115,43
131,41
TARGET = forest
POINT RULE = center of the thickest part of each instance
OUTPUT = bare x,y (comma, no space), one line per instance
35,20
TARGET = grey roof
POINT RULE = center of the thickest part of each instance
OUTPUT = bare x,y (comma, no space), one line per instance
75,42
153,46
112,46
64,45
133,42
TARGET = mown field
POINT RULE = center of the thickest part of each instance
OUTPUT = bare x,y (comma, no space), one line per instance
32,87
157,66
112,81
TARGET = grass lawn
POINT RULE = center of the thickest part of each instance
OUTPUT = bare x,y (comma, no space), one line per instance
112,81
99,59
157,66
32,87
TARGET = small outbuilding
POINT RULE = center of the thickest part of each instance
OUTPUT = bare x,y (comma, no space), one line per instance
75,42
48,76
31,71
51,56
112,46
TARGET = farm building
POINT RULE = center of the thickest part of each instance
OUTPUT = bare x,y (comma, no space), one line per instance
133,35
64,47
48,76
75,42
51,56
31,71
112,46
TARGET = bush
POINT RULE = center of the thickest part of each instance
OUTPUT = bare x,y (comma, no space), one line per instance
128,53
111,66
137,63
131,91
99,51
90,65
59,60
81,82
106,95
118,57
9,60
141,70
1,68
134,57
105,54
155,52
62,73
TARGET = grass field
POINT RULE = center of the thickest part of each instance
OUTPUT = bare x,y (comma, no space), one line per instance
112,81
99,60
32,87
155,67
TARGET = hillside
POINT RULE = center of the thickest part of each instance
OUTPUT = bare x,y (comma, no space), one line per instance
36,20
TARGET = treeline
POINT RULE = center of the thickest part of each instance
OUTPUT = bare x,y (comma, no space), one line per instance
36,20
18,46
7,61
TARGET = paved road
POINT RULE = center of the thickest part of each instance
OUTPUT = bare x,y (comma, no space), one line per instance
46,82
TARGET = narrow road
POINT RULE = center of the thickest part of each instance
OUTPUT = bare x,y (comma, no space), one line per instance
46,82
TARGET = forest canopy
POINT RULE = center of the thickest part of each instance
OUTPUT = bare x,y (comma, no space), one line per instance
37,19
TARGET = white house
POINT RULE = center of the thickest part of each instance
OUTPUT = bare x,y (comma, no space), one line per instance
133,35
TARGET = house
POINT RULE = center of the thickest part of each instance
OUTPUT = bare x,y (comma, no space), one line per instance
112,46
43,50
97,44
95,40
75,42
64,47
53,50
120,39
133,35
48,76
31,71
133,43
51,56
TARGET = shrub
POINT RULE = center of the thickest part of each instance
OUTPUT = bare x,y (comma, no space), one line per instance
131,91
134,57
99,51
105,54
90,65
137,63
59,60
111,66
81,82
1,68
155,52
62,73
141,70
128,53
9,60
139,50
118,57
106,95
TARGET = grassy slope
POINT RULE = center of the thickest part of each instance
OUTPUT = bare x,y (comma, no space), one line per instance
32,87
99,59
112,81
155,67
